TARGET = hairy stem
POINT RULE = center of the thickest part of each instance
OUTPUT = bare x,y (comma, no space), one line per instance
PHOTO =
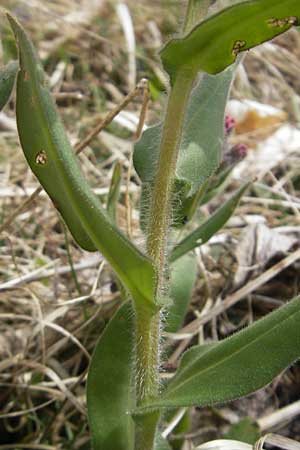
159,217
147,376
147,362
148,326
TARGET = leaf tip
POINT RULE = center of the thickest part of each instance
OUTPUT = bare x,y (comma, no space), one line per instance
14,24
16,27
12,20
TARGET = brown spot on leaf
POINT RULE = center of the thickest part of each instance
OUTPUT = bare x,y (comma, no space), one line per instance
41,158
237,47
276,22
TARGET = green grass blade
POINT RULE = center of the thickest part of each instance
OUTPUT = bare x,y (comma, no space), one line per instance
214,44
51,158
246,430
109,389
238,365
114,191
210,227
7,80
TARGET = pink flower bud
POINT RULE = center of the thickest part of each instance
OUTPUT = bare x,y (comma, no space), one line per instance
235,154
240,150
229,124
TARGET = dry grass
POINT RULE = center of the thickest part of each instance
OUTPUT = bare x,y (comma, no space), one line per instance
54,298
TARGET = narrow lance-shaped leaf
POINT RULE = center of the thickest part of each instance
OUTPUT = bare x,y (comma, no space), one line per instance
51,158
208,228
215,43
183,277
114,192
200,151
7,80
238,365
109,389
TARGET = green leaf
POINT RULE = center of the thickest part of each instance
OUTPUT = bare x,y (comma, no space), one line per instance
183,277
109,388
114,191
200,150
246,430
210,227
51,158
238,365
214,44
7,80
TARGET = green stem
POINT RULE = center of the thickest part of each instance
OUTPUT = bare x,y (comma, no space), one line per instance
148,325
159,217
147,376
